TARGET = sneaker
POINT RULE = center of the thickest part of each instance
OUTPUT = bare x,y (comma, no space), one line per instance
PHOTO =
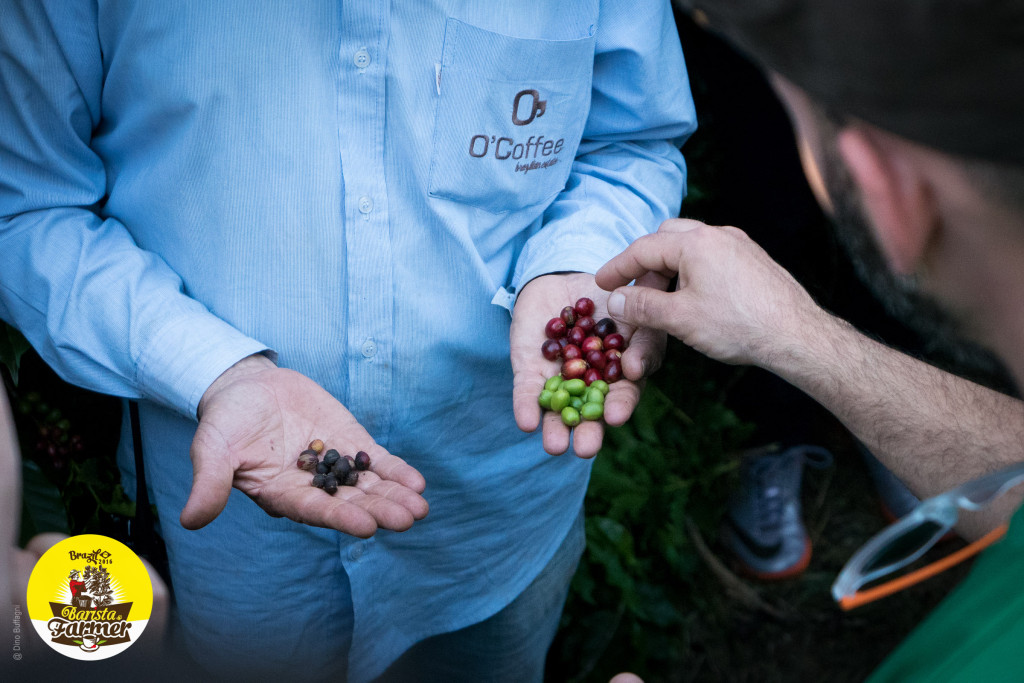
764,526
895,500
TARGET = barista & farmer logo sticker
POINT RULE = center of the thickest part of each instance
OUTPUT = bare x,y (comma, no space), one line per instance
89,597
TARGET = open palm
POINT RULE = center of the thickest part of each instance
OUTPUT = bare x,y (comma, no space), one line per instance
542,299
250,434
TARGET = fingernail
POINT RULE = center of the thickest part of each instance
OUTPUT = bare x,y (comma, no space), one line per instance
616,304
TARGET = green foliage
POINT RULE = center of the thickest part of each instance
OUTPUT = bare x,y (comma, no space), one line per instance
42,507
12,347
632,599
67,437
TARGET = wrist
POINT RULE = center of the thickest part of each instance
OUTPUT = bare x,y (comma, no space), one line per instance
809,347
247,367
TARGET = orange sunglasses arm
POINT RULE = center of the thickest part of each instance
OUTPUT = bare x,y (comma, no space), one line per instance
896,585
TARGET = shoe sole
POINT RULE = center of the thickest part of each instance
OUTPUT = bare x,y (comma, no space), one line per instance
788,573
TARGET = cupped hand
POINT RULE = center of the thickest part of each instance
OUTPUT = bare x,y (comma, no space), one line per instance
542,299
253,423
732,301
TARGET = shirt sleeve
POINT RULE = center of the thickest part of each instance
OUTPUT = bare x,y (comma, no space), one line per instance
104,313
628,175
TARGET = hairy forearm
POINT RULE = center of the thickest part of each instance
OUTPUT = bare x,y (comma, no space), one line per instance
932,429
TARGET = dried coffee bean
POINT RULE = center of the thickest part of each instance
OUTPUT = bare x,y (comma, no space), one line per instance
330,483
317,446
362,460
352,478
332,456
307,461
318,480
341,468
322,468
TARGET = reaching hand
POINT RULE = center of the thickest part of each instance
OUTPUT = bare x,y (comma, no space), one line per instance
732,302
253,423
543,299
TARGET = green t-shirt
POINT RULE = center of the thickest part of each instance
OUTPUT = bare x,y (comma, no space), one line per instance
977,633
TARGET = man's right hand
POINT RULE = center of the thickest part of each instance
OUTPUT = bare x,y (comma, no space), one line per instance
255,419
732,301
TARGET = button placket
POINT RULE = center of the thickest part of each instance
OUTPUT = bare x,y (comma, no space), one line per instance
362,89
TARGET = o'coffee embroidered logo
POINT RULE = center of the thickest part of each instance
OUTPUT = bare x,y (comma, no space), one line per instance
89,597
537,107
536,152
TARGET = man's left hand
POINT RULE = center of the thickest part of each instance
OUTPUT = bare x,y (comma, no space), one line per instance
542,299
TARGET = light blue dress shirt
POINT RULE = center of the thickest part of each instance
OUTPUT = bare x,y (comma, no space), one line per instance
360,187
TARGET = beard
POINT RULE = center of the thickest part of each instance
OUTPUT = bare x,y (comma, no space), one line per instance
945,339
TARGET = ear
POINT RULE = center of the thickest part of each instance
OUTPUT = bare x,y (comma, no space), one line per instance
896,196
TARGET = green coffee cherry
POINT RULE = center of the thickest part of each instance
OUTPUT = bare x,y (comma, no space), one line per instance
592,411
570,416
576,402
594,395
575,387
545,399
553,383
600,385
559,400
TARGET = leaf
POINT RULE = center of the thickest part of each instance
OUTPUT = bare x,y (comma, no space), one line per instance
77,642
101,642
42,507
12,347
119,503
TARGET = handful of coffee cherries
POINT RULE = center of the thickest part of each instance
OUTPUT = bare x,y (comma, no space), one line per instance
591,354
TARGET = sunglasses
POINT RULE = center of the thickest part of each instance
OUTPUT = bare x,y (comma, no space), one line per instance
906,540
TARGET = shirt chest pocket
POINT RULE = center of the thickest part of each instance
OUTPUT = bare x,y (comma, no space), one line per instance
510,116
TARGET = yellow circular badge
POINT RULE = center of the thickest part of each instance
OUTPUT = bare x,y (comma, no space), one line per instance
89,597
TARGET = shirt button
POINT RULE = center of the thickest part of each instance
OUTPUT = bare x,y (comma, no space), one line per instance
355,551
369,348
365,204
361,58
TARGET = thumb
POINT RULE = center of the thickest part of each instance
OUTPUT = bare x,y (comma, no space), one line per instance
212,477
645,307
